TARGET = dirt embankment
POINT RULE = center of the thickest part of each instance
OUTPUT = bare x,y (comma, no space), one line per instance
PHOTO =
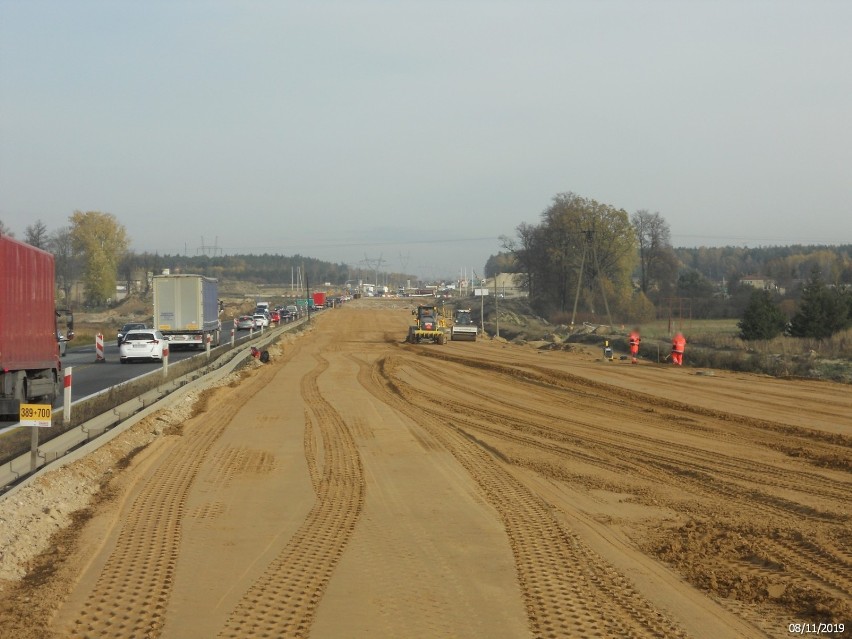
360,486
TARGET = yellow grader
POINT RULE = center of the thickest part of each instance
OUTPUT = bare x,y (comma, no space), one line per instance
429,324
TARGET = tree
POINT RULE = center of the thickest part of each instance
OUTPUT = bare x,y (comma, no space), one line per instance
65,259
692,284
102,241
640,308
4,230
762,319
657,261
822,312
577,238
500,263
36,235
528,254
143,264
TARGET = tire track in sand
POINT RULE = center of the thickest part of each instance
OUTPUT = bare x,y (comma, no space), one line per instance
710,472
283,601
565,585
131,594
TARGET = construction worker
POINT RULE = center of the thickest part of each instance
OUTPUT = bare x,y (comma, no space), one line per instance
678,346
634,340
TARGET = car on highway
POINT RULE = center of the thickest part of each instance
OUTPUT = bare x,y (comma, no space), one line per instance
245,323
275,317
142,344
261,320
130,326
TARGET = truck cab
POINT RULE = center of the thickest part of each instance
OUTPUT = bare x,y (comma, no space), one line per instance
64,315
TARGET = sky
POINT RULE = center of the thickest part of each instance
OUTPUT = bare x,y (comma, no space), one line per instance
415,135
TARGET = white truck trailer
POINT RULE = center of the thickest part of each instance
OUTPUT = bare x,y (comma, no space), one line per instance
186,310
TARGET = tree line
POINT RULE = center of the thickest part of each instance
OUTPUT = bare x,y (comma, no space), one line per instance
591,260
94,250
584,259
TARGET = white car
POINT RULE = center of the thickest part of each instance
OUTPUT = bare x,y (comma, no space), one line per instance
261,320
142,344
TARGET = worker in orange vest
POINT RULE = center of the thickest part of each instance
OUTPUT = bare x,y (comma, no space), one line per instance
678,346
634,340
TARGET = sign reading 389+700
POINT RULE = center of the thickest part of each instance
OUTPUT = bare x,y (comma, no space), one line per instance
35,415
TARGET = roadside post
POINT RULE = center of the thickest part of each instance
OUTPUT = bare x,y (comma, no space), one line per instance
35,416
233,337
481,293
66,402
207,344
99,348
166,360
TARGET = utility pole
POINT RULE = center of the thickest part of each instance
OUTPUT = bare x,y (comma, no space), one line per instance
496,315
308,294
479,290
482,313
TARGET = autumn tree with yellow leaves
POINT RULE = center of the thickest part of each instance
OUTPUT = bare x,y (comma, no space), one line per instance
102,242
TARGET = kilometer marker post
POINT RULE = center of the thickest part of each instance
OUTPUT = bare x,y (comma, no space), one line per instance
35,416
66,402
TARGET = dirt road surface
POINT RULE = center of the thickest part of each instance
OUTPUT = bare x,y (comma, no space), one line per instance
358,486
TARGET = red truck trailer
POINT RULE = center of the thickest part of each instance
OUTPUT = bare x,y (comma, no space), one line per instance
318,299
30,366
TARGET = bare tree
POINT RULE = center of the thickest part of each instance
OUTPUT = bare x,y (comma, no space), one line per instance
4,230
36,235
67,263
657,261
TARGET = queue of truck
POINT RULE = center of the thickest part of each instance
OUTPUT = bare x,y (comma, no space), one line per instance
34,332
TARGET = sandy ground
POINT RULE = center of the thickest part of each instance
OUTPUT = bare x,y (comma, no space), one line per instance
358,486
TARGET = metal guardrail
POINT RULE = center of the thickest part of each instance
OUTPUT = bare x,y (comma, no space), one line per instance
91,433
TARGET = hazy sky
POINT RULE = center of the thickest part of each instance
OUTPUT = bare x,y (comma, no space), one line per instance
420,132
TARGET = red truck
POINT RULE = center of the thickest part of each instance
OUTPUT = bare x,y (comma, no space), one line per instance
318,299
30,364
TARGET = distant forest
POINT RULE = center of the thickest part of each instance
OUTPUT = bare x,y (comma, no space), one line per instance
787,266
276,270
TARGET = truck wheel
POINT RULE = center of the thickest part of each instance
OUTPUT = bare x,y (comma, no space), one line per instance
52,397
440,339
20,387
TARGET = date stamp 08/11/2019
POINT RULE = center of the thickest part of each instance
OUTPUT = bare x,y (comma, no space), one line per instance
815,628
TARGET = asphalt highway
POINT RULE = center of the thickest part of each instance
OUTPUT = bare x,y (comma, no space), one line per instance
89,376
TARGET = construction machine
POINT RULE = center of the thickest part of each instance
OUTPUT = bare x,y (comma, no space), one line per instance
463,327
428,325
